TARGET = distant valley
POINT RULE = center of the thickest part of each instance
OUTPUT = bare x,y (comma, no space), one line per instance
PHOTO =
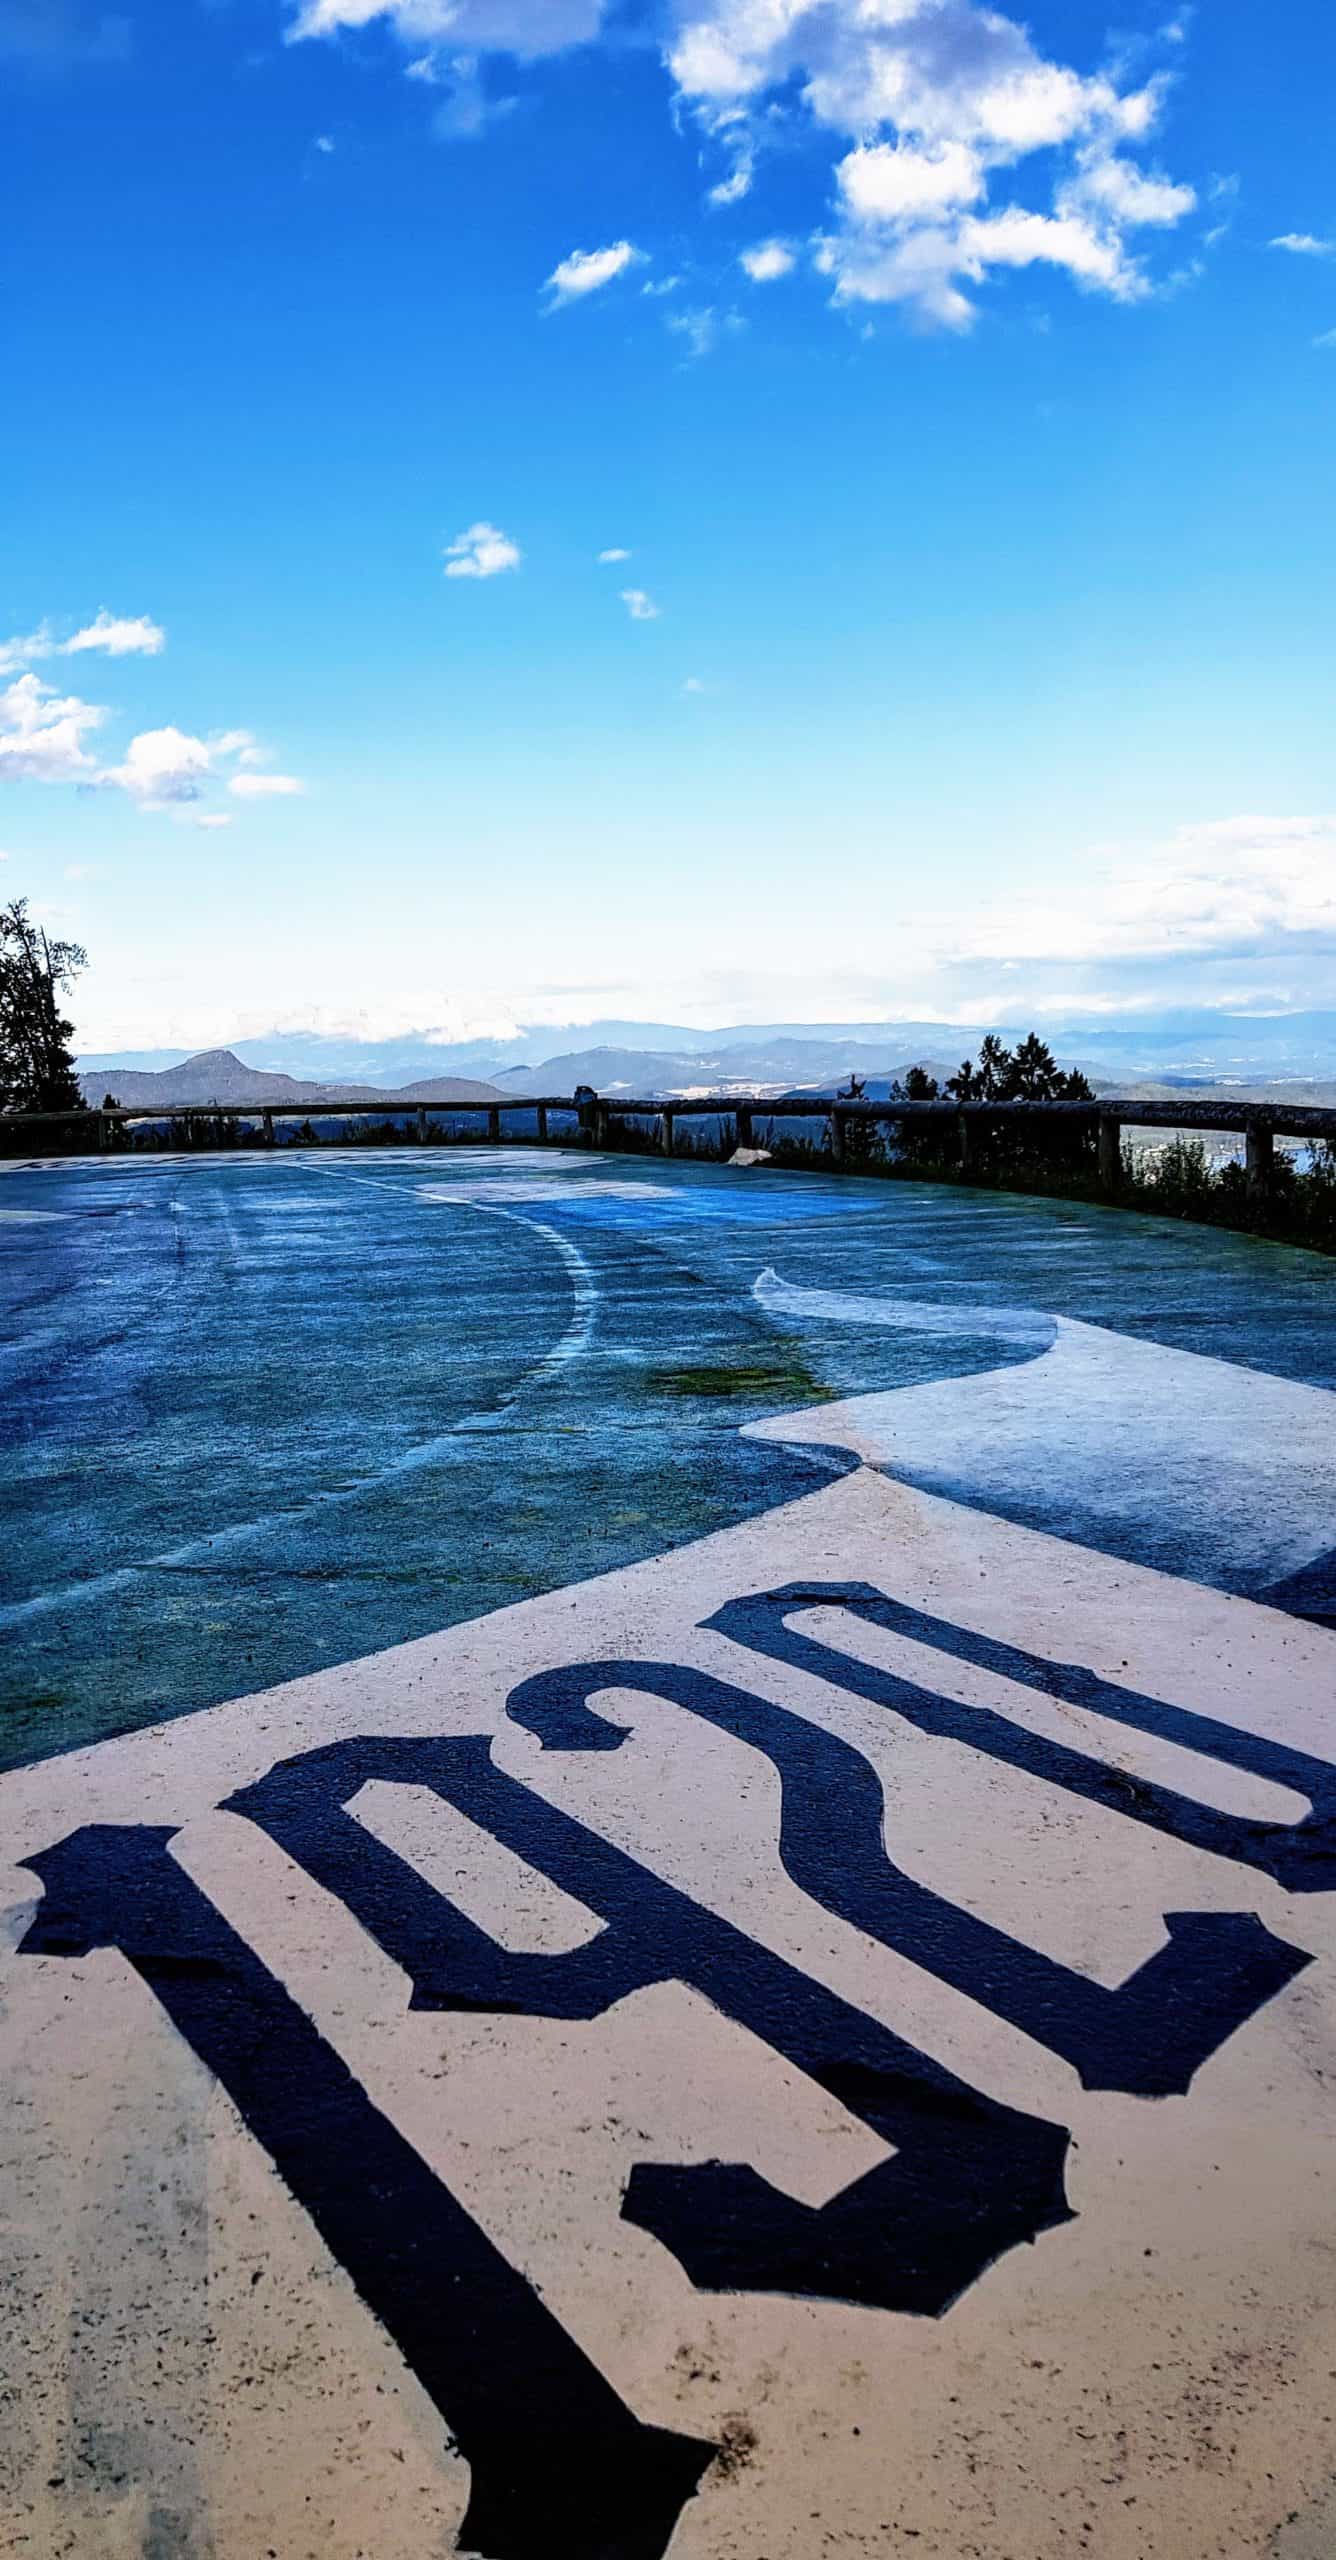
218,1075
1285,1056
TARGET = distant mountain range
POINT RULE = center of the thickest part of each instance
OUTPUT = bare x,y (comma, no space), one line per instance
1185,1052
218,1075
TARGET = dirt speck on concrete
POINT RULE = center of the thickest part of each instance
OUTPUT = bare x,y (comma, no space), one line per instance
737,2447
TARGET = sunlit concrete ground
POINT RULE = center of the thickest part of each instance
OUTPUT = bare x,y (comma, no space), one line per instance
735,1961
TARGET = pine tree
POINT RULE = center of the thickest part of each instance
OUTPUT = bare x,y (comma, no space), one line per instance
36,1063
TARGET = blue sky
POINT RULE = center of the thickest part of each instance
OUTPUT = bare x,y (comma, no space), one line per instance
955,384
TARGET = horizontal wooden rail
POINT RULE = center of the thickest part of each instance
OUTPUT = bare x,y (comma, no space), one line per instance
1285,1120
599,1117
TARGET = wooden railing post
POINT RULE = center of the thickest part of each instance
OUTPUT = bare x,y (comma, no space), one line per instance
494,1125
602,1124
742,1121
666,1132
422,1124
836,1135
541,1117
267,1124
964,1142
1110,1154
1260,1152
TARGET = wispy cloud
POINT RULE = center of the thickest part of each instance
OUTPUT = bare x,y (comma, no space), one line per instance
1303,244
587,271
266,786
703,329
641,607
482,552
1247,894
113,635
117,636
62,35
241,743
526,29
738,183
23,649
605,557
467,107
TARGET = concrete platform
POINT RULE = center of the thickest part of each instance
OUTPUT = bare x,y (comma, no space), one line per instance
808,2029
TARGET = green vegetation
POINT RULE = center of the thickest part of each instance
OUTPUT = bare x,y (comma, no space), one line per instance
36,1064
1298,1205
788,1379
1177,1179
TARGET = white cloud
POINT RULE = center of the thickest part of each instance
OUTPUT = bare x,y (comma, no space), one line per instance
324,142
1014,238
526,28
1327,339
213,818
694,684
1109,186
768,261
606,556
42,733
162,766
117,637
1241,889
935,98
1304,244
586,271
641,607
894,182
483,552
924,267
114,635
266,786
930,104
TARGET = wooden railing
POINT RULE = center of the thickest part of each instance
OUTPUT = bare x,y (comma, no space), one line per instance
600,1119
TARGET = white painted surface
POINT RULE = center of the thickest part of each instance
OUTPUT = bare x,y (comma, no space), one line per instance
1152,2381
1228,1469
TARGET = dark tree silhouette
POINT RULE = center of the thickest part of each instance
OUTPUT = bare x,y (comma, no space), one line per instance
1028,1073
36,1064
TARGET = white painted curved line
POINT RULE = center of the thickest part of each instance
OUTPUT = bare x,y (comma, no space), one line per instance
785,1300
210,1546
